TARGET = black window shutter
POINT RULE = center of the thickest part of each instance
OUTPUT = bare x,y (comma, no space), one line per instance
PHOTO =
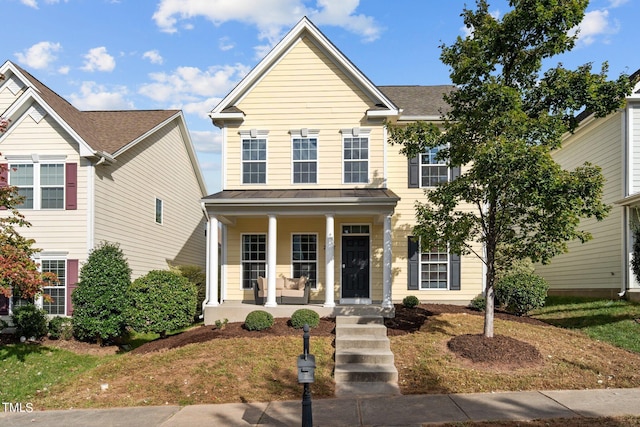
455,172
454,266
413,258
414,172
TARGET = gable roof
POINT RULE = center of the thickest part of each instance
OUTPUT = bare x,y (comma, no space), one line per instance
104,134
419,102
227,109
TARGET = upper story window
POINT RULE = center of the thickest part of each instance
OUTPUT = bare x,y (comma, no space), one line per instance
41,184
355,143
254,157
304,152
432,172
159,206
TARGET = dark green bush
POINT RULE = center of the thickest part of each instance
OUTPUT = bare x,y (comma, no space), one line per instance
305,316
521,292
161,301
479,303
195,275
60,328
30,321
410,301
100,299
258,320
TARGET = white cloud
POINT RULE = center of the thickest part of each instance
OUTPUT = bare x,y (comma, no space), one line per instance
99,60
30,3
93,97
225,43
617,3
64,70
188,86
206,141
271,17
595,23
40,55
153,56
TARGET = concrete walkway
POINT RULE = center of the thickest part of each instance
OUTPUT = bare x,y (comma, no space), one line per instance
412,410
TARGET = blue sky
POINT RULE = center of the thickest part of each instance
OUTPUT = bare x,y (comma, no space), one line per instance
188,54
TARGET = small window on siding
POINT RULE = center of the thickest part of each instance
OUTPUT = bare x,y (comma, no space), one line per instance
158,211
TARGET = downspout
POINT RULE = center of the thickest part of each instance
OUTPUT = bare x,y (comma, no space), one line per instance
207,257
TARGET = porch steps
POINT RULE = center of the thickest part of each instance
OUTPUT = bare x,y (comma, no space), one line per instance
363,359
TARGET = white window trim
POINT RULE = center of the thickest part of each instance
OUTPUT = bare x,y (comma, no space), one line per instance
53,256
306,133
255,134
266,255
357,132
430,164
420,288
317,255
36,160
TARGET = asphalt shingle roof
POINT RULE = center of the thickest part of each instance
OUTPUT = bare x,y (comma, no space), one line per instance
419,100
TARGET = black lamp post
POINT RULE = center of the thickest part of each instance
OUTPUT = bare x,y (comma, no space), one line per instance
306,375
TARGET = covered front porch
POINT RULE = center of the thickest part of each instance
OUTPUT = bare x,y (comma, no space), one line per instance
339,239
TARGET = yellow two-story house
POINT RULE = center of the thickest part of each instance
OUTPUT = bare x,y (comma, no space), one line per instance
312,188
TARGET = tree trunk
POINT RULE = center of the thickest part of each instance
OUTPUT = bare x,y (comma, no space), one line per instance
488,312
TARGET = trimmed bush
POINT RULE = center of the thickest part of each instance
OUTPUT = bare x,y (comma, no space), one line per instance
60,328
258,320
100,299
195,275
479,303
520,293
160,302
30,321
305,316
410,301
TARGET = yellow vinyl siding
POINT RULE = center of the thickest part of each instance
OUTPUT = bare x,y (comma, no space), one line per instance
6,98
598,263
53,230
402,223
310,92
158,167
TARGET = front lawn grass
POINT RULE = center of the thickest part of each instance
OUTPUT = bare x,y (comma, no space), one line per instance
615,322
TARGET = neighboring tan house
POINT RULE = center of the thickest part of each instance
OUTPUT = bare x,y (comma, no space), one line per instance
125,177
312,187
601,266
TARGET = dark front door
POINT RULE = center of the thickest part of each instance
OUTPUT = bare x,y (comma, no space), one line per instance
355,267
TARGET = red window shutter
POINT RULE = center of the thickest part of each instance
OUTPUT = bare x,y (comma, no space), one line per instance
4,179
71,186
72,282
4,305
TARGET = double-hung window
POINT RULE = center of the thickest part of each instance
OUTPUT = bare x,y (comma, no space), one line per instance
433,171
56,290
254,157
42,185
355,155
254,258
304,253
434,269
304,147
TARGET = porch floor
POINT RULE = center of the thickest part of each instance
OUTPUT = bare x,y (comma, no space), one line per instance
236,311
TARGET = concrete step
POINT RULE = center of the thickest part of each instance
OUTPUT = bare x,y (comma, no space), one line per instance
347,389
376,356
361,329
359,320
365,372
351,342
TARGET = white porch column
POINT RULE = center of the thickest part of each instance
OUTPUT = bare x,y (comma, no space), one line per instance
211,299
272,239
329,252
387,301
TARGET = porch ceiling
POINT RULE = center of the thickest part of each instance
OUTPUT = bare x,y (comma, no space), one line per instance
306,202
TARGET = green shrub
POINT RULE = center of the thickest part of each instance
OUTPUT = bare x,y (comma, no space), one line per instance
305,316
100,299
410,301
258,320
30,321
195,275
520,293
161,301
479,303
60,328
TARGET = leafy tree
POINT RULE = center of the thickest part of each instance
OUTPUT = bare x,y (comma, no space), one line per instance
160,302
505,118
19,273
100,299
